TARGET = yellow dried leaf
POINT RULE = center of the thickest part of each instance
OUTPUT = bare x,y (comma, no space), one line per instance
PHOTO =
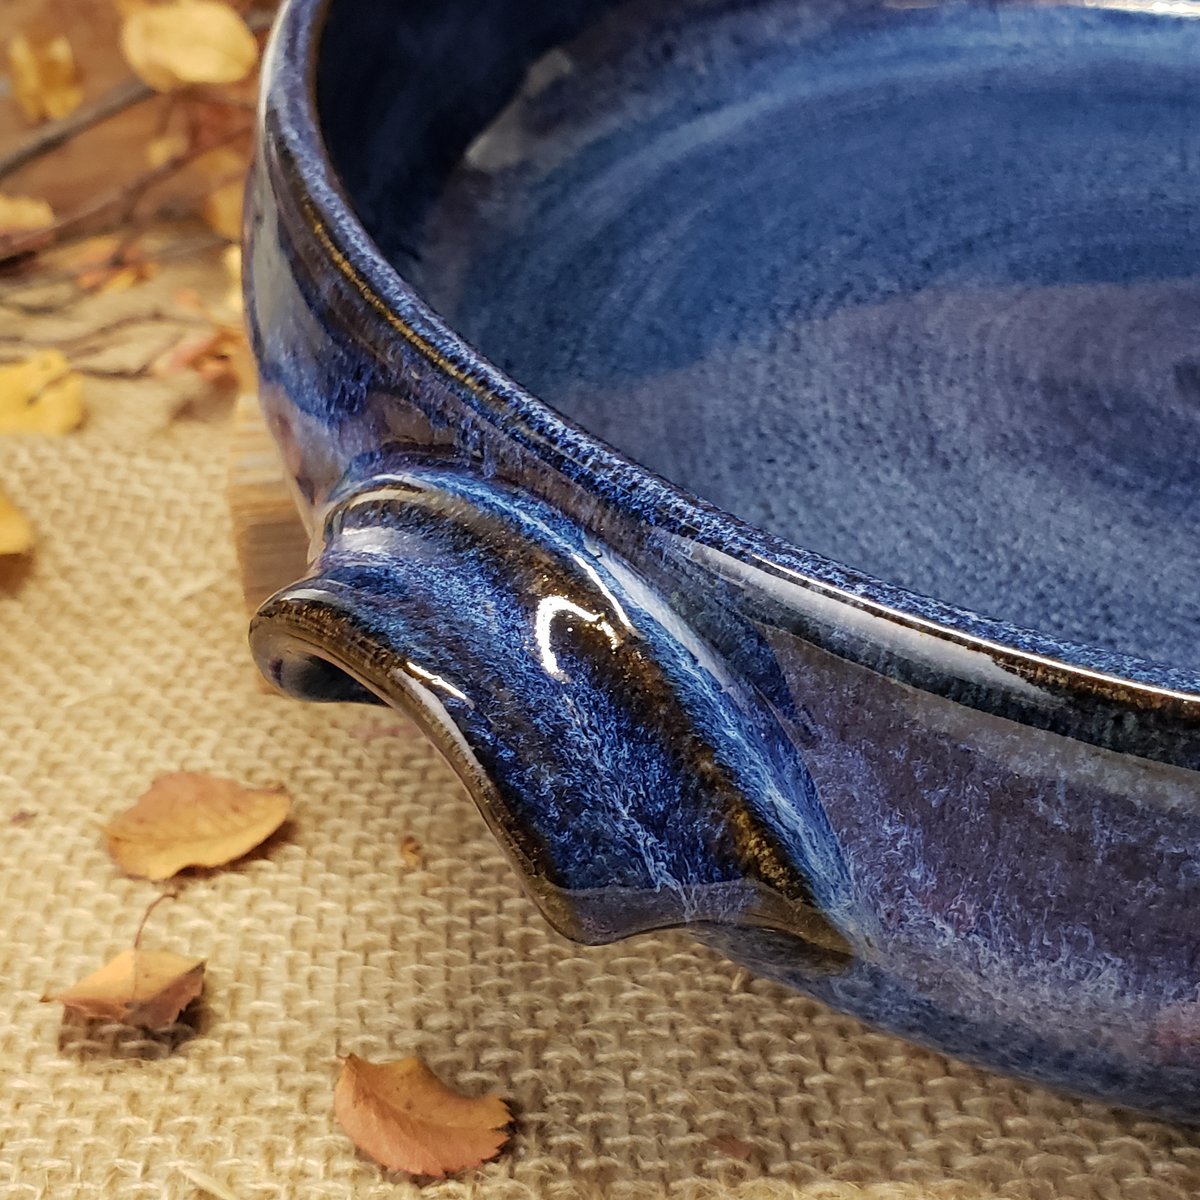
231,259
188,41
146,988
117,279
189,819
16,534
23,214
45,80
223,209
165,147
406,1119
89,252
106,263
40,395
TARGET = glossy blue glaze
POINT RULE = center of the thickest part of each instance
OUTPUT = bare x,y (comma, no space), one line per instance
979,836
954,258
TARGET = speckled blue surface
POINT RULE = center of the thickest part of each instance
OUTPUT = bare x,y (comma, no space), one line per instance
967,297
979,836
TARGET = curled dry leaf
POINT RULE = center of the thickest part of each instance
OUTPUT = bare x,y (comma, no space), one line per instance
107,263
146,988
406,1119
40,394
188,41
189,819
23,214
45,79
16,534
219,355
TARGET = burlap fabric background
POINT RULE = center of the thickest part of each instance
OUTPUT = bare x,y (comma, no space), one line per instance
647,1069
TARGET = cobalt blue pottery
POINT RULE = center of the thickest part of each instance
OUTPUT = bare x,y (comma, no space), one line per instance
761,443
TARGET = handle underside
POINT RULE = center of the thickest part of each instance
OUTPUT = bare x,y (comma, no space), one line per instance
623,768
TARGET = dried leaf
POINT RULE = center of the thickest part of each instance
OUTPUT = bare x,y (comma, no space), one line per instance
231,259
107,263
223,209
45,80
410,851
189,819
219,355
40,395
405,1118
23,214
191,349
215,122
188,41
165,147
16,534
146,988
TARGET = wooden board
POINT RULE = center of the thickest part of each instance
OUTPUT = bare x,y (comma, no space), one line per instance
271,541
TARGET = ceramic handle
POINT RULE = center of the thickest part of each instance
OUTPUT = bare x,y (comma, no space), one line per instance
607,747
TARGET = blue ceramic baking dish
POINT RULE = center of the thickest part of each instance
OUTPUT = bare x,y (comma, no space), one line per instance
760,442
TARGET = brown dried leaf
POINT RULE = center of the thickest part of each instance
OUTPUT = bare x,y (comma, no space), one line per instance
188,41
189,819
45,80
219,355
23,214
410,851
146,988
16,534
41,394
191,349
405,1118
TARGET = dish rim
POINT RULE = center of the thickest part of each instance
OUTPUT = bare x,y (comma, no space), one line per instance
288,121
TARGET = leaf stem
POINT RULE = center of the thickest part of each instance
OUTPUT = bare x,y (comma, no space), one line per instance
167,895
124,96
118,204
53,134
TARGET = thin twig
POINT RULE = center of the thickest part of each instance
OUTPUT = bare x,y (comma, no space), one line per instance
209,95
122,97
170,894
78,343
55,133
119,203
10,290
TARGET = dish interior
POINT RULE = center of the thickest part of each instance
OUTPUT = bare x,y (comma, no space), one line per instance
917,288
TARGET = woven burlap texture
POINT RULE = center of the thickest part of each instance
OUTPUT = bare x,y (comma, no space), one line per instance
646,1069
